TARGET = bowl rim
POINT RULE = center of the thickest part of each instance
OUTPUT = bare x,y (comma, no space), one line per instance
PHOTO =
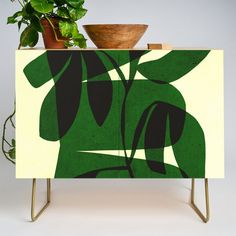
115,25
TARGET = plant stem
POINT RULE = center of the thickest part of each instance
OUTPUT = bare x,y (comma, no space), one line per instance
127,85
53,28
4,136
22,4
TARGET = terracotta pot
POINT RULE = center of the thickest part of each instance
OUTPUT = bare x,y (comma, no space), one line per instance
123,36
50,40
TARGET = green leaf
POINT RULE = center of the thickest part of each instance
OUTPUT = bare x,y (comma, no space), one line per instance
68,29
29,9
75,3
29,37
42,6
12,153
35,23
80,43
60,2
77,14
63,13
43,75
68,44
17,14
13,142
173,66
11,20
191,144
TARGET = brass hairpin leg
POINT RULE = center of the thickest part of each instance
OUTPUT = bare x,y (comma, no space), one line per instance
204,218
33,215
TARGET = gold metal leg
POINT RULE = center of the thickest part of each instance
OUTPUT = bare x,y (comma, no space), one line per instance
204,218
34,216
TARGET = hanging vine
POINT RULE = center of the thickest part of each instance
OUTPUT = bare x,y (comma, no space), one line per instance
9,147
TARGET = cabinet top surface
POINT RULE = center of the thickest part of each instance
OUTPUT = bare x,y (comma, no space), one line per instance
87,49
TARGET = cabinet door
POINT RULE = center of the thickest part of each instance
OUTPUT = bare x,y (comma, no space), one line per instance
89,149
172,112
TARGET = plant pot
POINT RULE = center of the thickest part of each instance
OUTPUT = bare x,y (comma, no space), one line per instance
52,37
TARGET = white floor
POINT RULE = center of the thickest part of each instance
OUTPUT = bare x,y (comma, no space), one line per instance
115,207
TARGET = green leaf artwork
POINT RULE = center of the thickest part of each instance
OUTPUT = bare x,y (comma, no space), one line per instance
119,124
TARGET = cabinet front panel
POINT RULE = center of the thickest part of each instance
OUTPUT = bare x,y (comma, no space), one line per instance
119,114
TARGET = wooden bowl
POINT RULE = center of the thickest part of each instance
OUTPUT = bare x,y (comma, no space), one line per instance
123,36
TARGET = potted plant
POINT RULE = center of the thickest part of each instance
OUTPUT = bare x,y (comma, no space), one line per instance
55,19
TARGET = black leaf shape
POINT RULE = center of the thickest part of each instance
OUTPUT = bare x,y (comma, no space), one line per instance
100,99
94,64
57,60
177,120
68,92
99,87
154,142
136,54
156,132
139,129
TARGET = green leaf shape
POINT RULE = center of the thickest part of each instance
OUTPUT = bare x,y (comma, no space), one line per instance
42,6
77,14
68,29
173,66
28,10
29,37
60,2
68,44
43,75
80,42
75,3
13,142
63,13
12,153
35,23
48,129
190,151
141,170
141,95
79,163
11,20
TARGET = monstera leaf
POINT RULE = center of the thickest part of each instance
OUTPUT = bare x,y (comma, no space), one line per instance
173,66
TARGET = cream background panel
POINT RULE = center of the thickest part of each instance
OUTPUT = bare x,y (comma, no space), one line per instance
202,89
35,156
